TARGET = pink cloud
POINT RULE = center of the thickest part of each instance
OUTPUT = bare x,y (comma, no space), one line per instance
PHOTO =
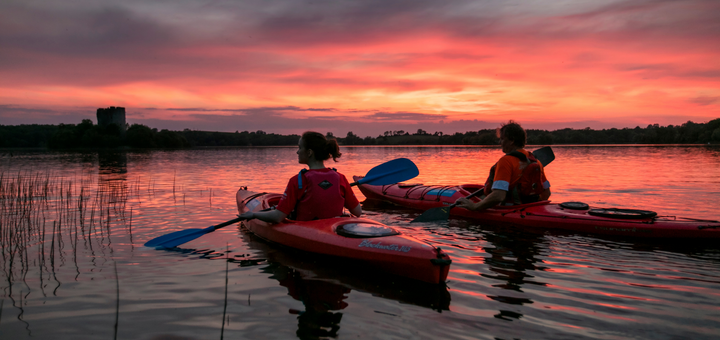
415,62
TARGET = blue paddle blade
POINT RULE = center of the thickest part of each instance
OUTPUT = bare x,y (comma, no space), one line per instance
183,236
177,238
394,171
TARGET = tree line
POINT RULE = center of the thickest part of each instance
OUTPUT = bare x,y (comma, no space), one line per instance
88,135
687,133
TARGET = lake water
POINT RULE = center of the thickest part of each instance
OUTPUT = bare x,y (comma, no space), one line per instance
74,265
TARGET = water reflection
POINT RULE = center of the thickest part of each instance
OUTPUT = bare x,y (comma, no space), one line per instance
320,298
111,163
513,257
562,284
323,284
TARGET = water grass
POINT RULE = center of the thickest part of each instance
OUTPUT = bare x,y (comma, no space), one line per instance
45,219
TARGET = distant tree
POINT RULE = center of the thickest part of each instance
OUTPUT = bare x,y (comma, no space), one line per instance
93,137
140,136
715,137
65,137
83,127
352,139
170,139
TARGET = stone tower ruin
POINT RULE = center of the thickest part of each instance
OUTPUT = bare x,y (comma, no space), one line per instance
112,115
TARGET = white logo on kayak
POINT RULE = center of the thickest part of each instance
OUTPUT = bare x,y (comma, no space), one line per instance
379,245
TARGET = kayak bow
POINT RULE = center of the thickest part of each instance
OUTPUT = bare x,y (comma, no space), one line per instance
349,237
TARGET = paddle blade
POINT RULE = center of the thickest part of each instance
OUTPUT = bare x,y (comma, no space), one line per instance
434,214
394,171
177,238
545,155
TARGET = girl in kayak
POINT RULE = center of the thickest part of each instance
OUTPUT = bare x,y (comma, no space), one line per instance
317,193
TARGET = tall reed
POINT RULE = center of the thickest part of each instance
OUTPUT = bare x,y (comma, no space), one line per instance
46,219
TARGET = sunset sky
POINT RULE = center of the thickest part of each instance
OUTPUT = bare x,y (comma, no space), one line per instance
287,66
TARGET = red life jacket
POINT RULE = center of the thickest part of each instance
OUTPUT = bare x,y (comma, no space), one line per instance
530,185
322,195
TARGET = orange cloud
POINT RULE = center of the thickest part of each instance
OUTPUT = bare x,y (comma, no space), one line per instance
415,62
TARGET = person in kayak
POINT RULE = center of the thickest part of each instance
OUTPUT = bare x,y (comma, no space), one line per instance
516,178
317,193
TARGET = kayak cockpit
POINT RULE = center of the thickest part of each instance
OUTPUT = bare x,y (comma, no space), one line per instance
365,230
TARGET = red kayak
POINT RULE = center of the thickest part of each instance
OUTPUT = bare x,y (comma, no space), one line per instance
354,238
575,216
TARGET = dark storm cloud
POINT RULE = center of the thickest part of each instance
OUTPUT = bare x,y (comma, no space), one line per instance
103,32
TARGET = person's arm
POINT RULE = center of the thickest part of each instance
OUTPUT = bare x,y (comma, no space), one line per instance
495,198
351,202
357,211
545,194
277,215
271,216
546,184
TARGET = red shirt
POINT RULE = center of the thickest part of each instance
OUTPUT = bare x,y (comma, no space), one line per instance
324,193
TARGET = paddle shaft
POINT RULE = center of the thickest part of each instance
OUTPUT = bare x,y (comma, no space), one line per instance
476,193
225,224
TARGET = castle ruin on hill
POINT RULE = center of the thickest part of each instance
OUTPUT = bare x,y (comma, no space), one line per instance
112,115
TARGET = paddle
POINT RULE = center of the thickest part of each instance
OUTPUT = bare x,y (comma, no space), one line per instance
544,155
177,238
391,172
397,170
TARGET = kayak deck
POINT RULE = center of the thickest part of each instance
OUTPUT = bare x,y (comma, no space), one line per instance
348,237
544,214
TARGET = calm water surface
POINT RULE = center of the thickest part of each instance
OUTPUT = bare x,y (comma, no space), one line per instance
74,266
